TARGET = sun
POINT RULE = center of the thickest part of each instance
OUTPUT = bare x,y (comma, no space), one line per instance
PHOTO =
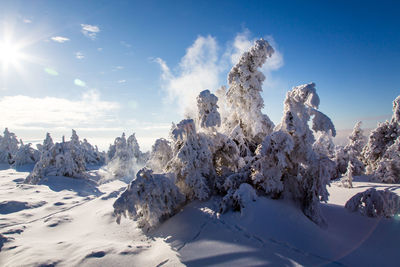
10,54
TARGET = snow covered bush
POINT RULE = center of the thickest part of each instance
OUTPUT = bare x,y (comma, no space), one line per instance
8,147
150,198
124,157
239,199
245,122
62,159
375,203
381,139
26,154
191,161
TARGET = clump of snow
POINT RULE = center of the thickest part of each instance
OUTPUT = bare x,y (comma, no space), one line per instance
375,203
149,199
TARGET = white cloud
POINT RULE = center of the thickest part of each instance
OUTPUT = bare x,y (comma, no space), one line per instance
198,70
201,68
24,112
59,39
100,49
90,30
122,81
79,55
27,21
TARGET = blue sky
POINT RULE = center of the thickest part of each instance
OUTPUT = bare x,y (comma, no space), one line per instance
103,67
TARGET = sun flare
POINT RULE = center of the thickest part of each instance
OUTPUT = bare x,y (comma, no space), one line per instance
10,54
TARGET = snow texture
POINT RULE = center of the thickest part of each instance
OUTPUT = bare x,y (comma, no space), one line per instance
161,154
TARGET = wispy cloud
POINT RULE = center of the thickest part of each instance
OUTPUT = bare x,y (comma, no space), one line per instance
79,55
25,20
79,82
125,44
117,68
59,39
198,70
90,30
51,112
100,49
122,81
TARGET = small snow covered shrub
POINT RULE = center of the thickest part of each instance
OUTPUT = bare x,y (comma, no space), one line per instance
238,199
62,159
150,198
8,147
26,154
375,203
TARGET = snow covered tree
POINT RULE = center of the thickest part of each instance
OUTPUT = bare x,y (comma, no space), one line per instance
62,159
26,154
8,147
192,161
375,203
308,173
388,170
350,155
47,144
272,159
381,139
92,154
149,199
208,115
124,157
347,179
244,99
160,154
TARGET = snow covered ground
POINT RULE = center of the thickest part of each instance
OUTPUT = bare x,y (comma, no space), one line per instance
70,222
